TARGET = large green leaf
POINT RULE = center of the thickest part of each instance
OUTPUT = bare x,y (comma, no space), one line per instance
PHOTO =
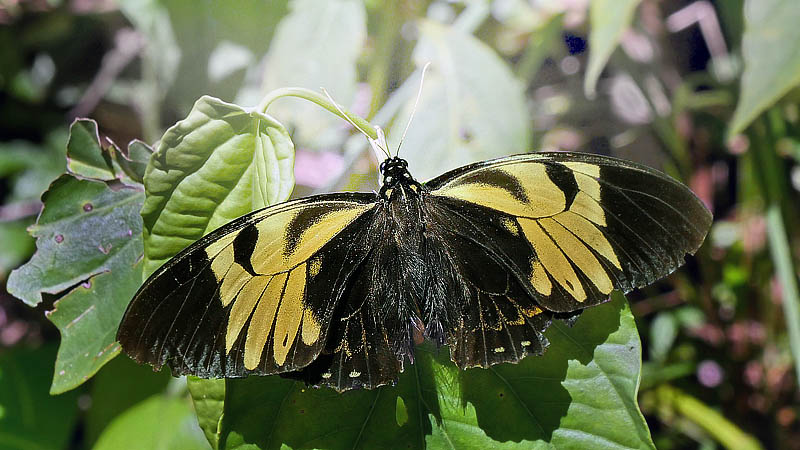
272,412
542,402
608,19
315,46
218,163
771,53
554,400
159,423
471,107
31,419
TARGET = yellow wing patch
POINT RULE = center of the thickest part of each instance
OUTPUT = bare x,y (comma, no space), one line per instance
272,298
542,197
562,237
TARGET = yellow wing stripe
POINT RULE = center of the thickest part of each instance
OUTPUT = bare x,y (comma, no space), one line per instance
580,255
590,234
553,259
544,198
289,315
232,283
247,299
539,279
273,253
261,323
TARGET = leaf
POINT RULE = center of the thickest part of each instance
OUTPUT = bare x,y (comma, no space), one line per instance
203,175
85,229
608,20
134,161
85,156
315,46
209,400
88,318
471,108
119,385
542,402
554,400
770,46
29,417
160,422
273,412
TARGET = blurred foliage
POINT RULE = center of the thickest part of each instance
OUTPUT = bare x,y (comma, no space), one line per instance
704,90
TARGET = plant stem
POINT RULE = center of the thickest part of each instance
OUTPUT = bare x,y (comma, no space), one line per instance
717,426
769,170
320,100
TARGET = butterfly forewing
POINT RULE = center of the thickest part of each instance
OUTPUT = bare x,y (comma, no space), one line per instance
573,227
255,296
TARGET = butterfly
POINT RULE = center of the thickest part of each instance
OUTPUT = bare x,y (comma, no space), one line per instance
334,289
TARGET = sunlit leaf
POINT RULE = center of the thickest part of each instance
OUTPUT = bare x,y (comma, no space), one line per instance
471,108
315,46
217,164
608,20
770,49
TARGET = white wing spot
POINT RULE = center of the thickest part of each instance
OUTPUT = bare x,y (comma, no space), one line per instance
525,343
499,349
326,375
354,374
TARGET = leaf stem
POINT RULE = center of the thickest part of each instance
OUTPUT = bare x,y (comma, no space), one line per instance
714,423
320,100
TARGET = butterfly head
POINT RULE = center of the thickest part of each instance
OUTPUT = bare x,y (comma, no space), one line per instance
395,173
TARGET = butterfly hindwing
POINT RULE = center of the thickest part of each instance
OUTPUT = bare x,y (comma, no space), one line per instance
573,227
255,296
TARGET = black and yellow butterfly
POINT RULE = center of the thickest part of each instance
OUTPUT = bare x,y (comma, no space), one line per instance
333,289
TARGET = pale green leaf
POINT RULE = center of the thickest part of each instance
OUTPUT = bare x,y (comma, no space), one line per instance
771,53
315,46
608,20
217,164
471,108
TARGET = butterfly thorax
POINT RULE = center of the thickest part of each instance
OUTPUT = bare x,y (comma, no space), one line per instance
396,175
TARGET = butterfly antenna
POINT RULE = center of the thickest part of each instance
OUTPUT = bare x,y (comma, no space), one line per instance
414,109
376,144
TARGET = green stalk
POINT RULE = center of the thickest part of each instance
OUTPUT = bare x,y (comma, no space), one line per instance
769,172
717,426
314,97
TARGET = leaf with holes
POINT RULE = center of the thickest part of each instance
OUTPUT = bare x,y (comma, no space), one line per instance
88,235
